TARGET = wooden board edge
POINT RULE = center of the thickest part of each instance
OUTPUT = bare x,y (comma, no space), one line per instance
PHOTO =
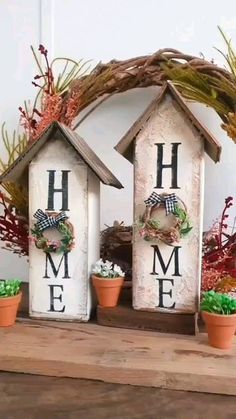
128,318
203,383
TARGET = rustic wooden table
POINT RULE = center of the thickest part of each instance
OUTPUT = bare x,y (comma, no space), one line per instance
115,355
33,397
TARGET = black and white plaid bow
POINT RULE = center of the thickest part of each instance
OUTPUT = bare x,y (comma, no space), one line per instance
47,221
168,200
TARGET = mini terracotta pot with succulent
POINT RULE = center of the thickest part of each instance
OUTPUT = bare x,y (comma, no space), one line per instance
107,280
219,315
10,297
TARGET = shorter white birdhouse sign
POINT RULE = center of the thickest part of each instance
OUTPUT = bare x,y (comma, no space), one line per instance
166,146
64,206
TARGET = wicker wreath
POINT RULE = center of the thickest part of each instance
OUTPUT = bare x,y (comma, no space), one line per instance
150,228
64,245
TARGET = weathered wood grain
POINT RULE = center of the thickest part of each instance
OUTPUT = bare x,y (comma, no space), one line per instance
125,316
24,304
118,356
33,397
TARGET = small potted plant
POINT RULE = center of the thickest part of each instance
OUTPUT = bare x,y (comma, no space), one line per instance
107,280
10,297
219,315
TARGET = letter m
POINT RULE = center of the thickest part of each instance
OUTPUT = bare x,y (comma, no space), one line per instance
49,261
157,257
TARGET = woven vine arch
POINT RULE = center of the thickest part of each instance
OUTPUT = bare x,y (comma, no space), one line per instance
196,78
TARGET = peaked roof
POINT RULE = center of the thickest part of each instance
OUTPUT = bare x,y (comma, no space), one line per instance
125,145
79,145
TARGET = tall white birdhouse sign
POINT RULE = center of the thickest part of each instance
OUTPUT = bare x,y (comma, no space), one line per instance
166,146
64,177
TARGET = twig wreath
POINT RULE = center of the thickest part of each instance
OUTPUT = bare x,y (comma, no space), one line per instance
150,228
54,220
63,94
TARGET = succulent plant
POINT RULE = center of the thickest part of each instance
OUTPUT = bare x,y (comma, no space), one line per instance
9,288
215,302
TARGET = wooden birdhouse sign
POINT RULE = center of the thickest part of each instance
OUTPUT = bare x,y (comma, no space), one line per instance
64,177
166,146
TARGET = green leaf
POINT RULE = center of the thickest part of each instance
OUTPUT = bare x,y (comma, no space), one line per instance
180,213
185,231
154,223
213,93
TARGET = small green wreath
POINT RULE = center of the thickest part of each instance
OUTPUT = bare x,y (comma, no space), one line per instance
150,229
64,245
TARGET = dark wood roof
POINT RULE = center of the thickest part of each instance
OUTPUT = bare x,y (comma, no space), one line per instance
14,172
125,145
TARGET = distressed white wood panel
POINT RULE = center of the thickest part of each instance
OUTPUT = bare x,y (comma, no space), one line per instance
93,231
57,155
169,125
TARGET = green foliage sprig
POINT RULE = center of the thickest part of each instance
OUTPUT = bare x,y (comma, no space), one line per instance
9,288
207,87
217,303
183,217
152,223
14,147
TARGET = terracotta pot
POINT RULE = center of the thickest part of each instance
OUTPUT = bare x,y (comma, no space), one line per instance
8,309
220,329
107,290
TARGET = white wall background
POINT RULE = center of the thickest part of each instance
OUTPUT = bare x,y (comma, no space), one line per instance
102,30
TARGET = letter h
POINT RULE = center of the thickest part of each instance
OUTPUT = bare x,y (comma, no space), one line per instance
173,165
63,190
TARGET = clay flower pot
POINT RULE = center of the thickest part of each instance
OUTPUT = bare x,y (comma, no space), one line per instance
107,290
8,309
220,329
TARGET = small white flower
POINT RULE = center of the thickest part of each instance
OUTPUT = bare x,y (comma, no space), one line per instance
118,270
108,265
107,270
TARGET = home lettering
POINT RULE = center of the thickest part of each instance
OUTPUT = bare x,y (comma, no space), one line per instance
165,282
56,303
55,270
173,165
63,190
53,297
157,255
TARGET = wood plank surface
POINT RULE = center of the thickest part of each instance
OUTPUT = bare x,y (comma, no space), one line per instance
26,396
125,316
117,356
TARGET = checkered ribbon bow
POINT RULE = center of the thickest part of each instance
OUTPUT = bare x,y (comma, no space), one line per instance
47,221
168,200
